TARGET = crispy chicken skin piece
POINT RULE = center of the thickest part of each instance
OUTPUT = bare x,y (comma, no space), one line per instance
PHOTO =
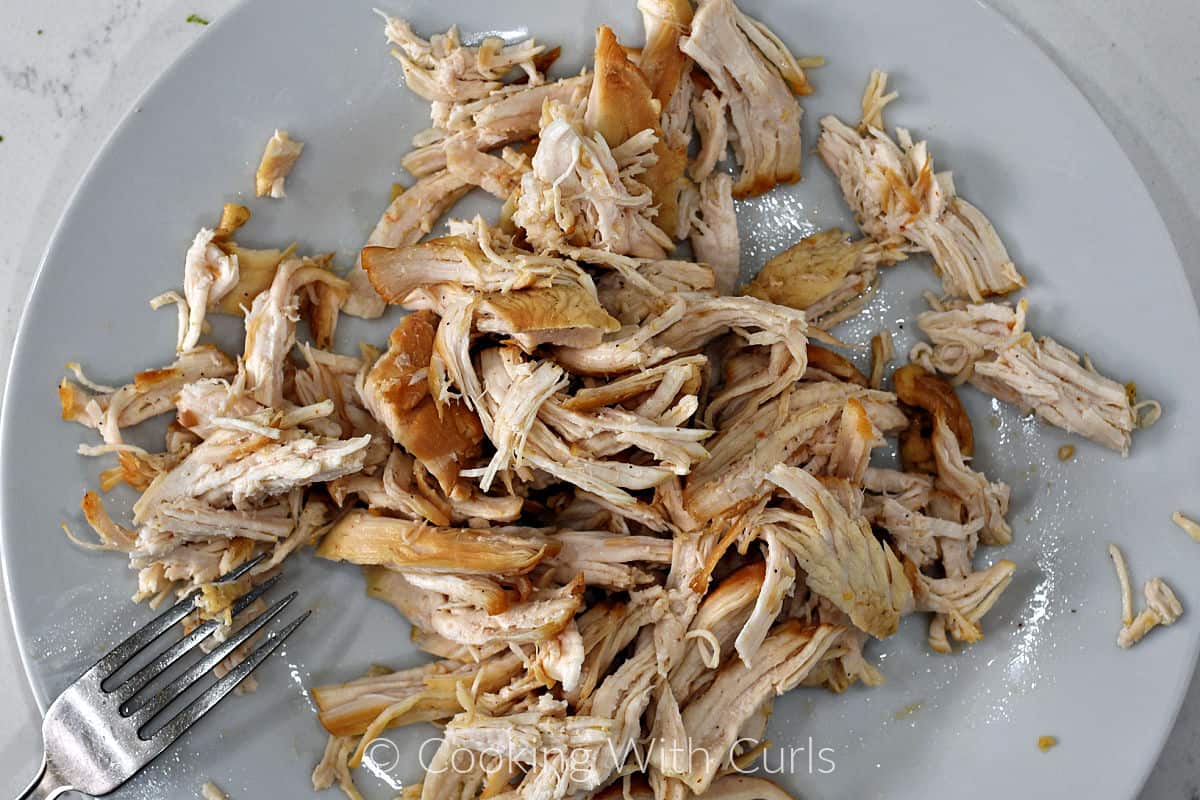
278,158
765,115
903,205
369,539
396,392
824,362
916,386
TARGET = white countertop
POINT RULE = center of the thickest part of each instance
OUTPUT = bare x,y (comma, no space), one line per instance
70,70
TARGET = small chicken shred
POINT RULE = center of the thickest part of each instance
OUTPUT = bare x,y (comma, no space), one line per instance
278,158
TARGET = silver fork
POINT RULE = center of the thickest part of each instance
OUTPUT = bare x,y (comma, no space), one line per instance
97,738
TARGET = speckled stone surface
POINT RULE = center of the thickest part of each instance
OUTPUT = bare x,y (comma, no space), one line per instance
70,70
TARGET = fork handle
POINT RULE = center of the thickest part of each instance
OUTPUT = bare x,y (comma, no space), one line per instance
46,786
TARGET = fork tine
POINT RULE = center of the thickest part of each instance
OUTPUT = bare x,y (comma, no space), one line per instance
242,569
119,655
146,674
215,693
143,712
139,639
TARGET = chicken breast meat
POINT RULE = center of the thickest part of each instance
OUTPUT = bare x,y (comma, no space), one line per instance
617,497
988,346
396,391
757,79
901,203
278,158
583,192
442,69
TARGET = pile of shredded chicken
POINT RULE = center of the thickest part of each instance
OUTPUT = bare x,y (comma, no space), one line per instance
616,498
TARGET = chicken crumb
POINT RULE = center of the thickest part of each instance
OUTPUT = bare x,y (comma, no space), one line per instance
1190,526
1066,452
277,161
882,352
1162,608
1045,743
908,710
210,791
1123,577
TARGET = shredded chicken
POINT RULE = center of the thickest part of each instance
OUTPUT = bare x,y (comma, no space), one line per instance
278,159
210,791
443,70
617,498
1189,526
396,390
665,68
151,393
1118,559
208,275
582,192
507,115
882,353
988,346
755,77
715,233
411,215
902,204
1162,608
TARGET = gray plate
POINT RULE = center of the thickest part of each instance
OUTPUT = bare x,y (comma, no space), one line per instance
1027,149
